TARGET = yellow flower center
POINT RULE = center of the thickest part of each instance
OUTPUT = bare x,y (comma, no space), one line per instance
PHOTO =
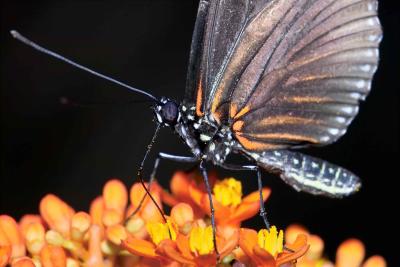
228,192
201,240
161,231
271,241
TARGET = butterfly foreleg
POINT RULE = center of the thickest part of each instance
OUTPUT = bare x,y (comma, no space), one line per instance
161,156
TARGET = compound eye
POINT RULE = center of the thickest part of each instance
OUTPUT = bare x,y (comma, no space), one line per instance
170,112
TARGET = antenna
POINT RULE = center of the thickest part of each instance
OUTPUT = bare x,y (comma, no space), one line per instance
39,48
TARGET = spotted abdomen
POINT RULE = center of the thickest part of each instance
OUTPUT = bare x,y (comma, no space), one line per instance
309,174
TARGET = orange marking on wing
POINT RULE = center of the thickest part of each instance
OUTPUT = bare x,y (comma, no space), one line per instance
217,116
287,136
242,112
237,126
232,110
255,145
284,119
299,79
199,99
216,100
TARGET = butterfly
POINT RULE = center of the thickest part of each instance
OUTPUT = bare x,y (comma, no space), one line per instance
267,77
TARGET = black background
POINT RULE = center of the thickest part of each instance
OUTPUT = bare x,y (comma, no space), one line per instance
71,151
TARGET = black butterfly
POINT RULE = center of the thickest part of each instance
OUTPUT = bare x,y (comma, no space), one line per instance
266,77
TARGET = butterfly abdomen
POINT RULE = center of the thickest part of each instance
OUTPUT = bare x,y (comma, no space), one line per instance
309,174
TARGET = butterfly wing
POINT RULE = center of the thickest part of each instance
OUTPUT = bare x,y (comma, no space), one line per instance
218,27
283,73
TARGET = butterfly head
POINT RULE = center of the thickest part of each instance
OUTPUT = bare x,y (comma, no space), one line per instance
167,112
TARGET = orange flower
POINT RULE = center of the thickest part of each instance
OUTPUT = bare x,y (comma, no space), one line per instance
115,198
10,236
265,249
148,211
350,253
57,214
106,236
179,185
53,256
5,254
23,262
196,248
230,208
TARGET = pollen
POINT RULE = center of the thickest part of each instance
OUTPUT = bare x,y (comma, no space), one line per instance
161,231
271,240
201,240
228,192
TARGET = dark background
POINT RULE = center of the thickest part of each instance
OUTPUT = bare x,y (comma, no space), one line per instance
72,151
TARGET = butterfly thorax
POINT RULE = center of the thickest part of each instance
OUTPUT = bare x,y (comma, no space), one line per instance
207,139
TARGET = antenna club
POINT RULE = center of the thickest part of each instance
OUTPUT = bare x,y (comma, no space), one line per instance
14,33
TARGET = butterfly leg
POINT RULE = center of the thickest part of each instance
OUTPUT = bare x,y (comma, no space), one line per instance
255,168
161,156
203,171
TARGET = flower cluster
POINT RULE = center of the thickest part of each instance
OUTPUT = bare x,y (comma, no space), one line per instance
121,230
350,253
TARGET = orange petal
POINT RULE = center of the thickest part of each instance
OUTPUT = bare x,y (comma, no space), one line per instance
263,258
80,225
57,214
249,207
226,245
137,227
35,237
115,195
299,247
255,196
292,231
167,249
182,213
350,253
168,198
10,235
140,247
53,256
375,261
179,185
116,234
150,213
5,254
182,242
72,262
27,220
95,255
136,194
316,247
97,210
112,217
222,213
247,240
23,262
